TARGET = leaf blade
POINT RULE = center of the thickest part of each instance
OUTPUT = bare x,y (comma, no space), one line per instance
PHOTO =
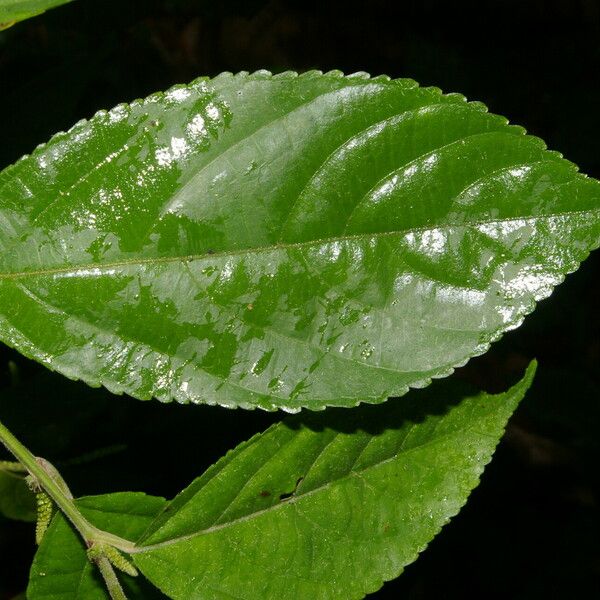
331,506
284,241
12,11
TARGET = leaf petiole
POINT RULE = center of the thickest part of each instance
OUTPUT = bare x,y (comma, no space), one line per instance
48,479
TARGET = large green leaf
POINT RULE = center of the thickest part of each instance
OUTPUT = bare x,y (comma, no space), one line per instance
329,505
12,11
61,569
283,241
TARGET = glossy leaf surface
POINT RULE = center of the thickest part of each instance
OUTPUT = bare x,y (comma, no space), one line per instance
12,11
283,241
61,569
327,505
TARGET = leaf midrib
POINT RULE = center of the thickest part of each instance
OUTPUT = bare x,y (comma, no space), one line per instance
73,270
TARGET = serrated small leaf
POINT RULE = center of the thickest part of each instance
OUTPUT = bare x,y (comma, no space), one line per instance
12,11
283,241
61,569
327,505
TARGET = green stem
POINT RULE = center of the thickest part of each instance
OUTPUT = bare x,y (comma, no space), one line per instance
110,579
58,491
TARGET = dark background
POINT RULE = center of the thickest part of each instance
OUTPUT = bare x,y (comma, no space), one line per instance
532,528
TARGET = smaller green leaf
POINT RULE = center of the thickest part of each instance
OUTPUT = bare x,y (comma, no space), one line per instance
13,11
16,499
61,569
327,505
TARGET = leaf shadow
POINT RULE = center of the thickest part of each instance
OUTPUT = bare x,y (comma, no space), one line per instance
415,407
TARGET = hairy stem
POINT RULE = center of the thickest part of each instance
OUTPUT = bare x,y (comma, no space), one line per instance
110,579
51,482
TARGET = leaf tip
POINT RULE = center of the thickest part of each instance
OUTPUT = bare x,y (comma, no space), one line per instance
530,371
520,388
